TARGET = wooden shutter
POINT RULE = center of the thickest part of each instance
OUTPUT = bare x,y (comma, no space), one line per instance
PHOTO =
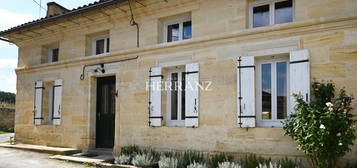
299,76
57,101
246,92
37,119
191,95
155,78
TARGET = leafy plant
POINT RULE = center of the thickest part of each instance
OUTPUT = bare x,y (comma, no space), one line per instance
323,129
197,165
123,159
190,157
287,163
351,165
143,160
168,162
219,158
228,165
130,150
253,161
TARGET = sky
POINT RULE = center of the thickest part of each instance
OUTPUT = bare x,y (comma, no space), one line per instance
16,12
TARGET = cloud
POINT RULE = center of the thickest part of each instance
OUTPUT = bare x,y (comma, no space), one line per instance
7,63
10,19
7,74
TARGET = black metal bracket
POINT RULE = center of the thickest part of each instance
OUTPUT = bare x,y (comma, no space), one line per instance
103,63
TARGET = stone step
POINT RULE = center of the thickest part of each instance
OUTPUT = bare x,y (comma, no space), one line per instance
90,158
43,149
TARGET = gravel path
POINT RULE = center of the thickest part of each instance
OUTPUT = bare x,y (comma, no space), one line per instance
13,158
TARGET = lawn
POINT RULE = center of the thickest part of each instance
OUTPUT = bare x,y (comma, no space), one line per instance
3,132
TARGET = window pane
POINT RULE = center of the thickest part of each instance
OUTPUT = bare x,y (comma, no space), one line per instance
281,81
173,33
187,30
261,16
283,12
55,55
266,91
183,85
174,79
99,46
108,44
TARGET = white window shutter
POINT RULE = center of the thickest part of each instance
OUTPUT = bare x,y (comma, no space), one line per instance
191,95
57,102
299,76
38,103
155,78
246,92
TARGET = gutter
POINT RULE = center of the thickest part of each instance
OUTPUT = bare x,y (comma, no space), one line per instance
6,40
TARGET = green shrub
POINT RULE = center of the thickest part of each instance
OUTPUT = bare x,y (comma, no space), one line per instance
197,165
351,165
323,129
253,161
123,159
287,163
228,165
219,158
190,157
168,162
143,160
130,150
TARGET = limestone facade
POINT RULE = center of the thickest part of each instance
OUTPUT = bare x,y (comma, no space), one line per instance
220,34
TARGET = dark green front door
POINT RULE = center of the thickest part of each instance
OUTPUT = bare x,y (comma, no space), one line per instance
105,122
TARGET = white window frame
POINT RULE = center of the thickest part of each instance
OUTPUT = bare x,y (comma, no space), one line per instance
50,53
179,21
271,4
179,121
94,46
274,122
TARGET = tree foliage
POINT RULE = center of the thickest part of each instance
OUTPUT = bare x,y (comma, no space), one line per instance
323,129
7,97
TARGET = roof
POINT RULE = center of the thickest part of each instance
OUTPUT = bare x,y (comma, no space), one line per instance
82,9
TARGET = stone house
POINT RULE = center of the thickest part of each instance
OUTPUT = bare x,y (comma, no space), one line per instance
110,74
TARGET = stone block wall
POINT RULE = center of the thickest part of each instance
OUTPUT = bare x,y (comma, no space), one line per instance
220,35
7,117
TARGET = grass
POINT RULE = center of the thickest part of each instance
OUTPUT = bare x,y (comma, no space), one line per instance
3,132
6,131
10,106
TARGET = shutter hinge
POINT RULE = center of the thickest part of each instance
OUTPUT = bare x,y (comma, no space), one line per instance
154,76
301,61
246,116
192,72
247,66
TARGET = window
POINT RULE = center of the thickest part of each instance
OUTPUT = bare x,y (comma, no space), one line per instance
48,99
53,54
176,98
272,99
100,45
269,12
50,53
177,29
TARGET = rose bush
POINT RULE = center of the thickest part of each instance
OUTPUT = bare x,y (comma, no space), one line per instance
323,129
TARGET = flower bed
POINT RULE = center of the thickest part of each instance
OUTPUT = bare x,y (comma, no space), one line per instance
149,158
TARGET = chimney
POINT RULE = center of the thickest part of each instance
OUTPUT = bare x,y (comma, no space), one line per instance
54,8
